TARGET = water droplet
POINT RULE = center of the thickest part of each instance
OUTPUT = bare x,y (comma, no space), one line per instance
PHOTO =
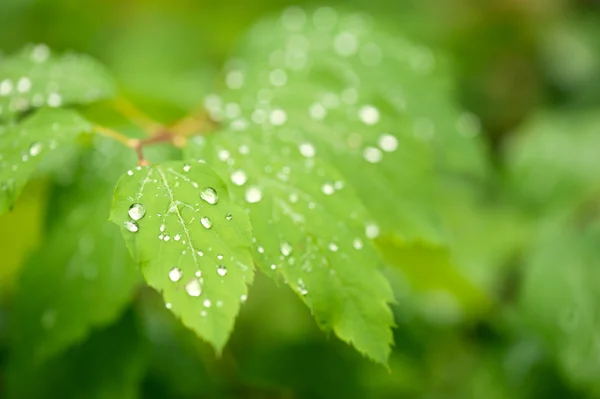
35,148
372,154
333,247
345,44
338,184
162,228
307,150
260,250
206,222
327,189
209,195
239,177
175,274
357,243
253,195
207,303
136,211
40,53
223,155
228,216
277,117
388,143
6,87
168,305
220,256
286,248
317,111
177,237
234,80
193,288
221,270
23,85
200,253
54,100
278,77
167,238
130,172
301,287
372,230
368,114
132,226
187,167
244,149
273,267
243,298
219,304
293,198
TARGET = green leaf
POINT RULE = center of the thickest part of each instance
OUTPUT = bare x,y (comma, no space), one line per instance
191,242
560,297
35,78
110,364
23,146
81,277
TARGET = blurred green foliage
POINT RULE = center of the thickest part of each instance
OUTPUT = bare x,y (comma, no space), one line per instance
510,309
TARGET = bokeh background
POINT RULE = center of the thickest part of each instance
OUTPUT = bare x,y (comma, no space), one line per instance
528,69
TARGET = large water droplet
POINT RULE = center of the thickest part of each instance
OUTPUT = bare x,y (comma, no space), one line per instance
136,211
175,274
239,177
388,143
221,270
286,248
35,149
206,222
209,195
253,195
132,226
193,288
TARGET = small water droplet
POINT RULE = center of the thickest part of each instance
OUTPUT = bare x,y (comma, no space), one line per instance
286,248
209,195
223,155
167,238
317,111
388,143
136,211
293,198
207,303
228,216
253,195
243,298
35,149
132,226
200,253
327,189
369,114
177,237
130,172
372,230
54,100
357,243
206,222
301,287
193,288
333,247
219,304
168,305
23,85
203,313
162,228
187,167
234,80
372,155
260,250
239,177
220,256
307,150
277,117
222,270
175,274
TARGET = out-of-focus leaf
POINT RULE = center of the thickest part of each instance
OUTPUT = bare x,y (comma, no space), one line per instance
109,364
82,276
554,161
191,242
35,77
23,146
560,298
24,233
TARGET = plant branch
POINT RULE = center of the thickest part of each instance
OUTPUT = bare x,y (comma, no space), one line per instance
131,112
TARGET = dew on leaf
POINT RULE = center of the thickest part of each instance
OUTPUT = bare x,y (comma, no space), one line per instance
260,250
372,154
286,248
193,288
175,274
167,238
130,172
136,211
198,273
307,150
357,243
277,117
253,195
162,228
302,287
6,87
209,195
132,226
222,270
177,237
207,303
372,230
203,313
273,267
220,256
54,100
168,305
35,148
388,142
228,216
243,298
206,222
327,189
239,177
187,167
40,53
23,85
244,149
200,253
368,114
219,304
